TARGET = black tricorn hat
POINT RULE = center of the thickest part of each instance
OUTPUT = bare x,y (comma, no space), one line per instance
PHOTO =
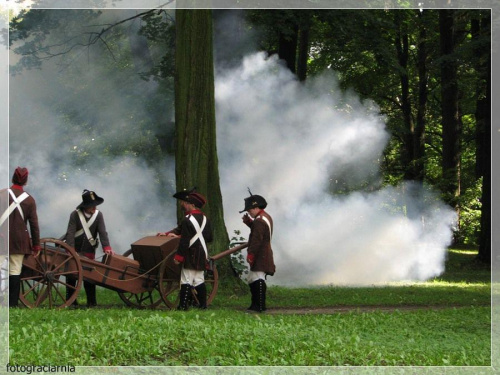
90,199
254,201
183,194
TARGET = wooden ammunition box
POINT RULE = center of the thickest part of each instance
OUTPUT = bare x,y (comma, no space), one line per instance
150,251
120,262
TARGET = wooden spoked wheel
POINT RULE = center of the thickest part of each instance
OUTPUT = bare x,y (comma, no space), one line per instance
168,281
212,283
148,299
43,278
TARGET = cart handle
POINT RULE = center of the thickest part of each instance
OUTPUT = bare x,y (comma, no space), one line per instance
229,251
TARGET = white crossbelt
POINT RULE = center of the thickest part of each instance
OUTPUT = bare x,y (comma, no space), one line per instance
86,226
199,233
15,204
268,224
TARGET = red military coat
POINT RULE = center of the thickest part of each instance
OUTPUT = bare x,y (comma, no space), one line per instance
19,237
260,252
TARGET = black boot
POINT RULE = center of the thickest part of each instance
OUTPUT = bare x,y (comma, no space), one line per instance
184,297
263,295
91,294
201,295
253,291
261,289
69,291
14,288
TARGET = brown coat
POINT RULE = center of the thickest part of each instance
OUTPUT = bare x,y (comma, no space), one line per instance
19,237
193,257
81,243
259,245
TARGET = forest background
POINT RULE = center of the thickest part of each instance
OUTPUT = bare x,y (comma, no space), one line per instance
411,86
393,164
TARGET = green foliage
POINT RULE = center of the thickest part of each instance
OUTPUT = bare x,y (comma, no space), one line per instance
470,216
238,261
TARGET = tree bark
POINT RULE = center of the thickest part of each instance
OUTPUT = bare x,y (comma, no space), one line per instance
303,53
287,48
196,150
481,28
419,132
449,110
402,49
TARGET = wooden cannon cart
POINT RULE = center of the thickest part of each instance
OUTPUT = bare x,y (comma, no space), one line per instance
146,280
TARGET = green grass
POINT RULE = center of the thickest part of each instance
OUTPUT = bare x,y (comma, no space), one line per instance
458,336
454,332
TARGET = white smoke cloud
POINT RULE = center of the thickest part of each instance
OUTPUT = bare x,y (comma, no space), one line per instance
41,139
289,142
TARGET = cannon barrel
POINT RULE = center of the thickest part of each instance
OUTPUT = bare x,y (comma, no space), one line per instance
229,251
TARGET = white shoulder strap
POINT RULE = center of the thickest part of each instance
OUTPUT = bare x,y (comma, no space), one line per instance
86,226
268,224
15,204
199,233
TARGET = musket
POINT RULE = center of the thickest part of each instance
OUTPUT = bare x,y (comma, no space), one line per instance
229,251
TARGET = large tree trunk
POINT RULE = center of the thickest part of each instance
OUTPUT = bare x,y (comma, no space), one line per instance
450,112
196,162
481,28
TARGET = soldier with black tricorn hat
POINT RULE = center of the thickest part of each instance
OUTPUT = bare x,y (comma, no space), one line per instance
195,231
260,254
86,223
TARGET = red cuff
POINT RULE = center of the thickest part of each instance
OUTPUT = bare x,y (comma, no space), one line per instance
37,248
107,248
250,258
179,258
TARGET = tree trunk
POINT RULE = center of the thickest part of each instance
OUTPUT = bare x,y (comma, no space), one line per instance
196,150
481,28
303,53
402,50
419,132
287,48
449,110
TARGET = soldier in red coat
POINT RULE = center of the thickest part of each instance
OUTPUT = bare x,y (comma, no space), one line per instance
21,211
260,254
195,232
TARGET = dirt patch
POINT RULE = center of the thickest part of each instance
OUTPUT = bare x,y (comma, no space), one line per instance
347,309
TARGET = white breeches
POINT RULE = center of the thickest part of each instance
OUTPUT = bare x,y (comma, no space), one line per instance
254,276
15,264
192,277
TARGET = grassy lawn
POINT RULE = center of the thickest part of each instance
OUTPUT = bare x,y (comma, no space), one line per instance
449,325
